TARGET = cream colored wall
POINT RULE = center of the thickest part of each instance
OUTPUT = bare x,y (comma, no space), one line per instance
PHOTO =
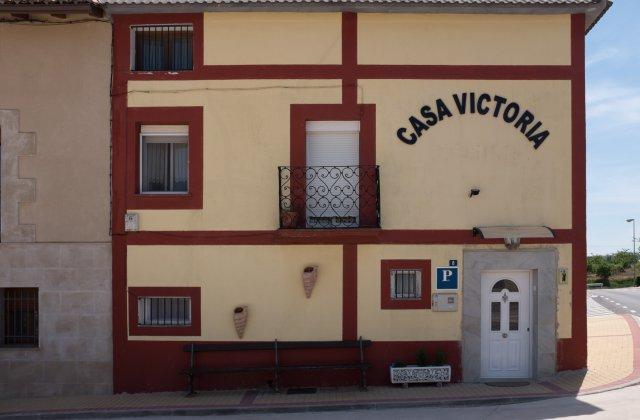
464,39
272,38
518,185
266,278
424,324
246,137
57,77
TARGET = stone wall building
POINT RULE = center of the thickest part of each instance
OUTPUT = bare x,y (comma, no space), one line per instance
55,252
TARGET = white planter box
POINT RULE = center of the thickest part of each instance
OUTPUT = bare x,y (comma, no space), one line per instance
420,374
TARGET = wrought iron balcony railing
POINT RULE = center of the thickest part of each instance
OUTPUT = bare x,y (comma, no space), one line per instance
329,197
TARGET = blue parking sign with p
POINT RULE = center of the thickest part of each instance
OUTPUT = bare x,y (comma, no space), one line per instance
447,278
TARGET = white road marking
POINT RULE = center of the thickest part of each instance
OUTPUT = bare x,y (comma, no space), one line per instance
617,304
624,307
633,312
595,309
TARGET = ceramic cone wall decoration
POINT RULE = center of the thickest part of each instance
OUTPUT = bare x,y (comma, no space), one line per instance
309,279
240,315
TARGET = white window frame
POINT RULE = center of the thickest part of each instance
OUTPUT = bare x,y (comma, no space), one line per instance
392,279
163,131
190,312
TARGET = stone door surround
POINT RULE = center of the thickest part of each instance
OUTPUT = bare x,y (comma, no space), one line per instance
544,264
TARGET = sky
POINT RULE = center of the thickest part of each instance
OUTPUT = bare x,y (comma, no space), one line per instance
613,129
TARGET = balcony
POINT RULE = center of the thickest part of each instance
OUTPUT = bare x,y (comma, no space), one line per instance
329,197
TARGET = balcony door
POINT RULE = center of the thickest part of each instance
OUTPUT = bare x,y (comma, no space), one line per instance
332,177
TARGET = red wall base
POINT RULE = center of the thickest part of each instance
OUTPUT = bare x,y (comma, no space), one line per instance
572,354
155,366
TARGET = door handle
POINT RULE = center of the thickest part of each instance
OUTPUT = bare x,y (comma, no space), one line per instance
505,335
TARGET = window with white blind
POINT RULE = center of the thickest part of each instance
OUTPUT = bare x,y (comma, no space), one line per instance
406,284
333,175
164,159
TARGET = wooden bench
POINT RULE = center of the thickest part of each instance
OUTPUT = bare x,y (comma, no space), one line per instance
277,367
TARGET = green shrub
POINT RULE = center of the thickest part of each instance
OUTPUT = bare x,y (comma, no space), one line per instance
441,358
421,358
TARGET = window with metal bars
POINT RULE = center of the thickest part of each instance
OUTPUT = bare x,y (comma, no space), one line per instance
19,317
162,47
406,284
164,311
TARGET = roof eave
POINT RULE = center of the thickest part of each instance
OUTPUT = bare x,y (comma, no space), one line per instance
68,9
593,11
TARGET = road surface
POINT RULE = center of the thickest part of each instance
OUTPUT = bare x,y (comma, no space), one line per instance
617,301
621,404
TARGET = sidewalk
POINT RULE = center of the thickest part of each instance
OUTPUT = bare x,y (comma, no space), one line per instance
613,362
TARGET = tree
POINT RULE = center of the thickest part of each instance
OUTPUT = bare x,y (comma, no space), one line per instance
593,262
604,272
624,258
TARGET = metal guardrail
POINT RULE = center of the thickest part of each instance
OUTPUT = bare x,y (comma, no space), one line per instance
594,285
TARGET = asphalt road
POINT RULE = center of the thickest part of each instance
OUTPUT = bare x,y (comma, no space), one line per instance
621,404
618,301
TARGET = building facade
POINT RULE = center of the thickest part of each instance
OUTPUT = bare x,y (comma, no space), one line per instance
55,251
430,167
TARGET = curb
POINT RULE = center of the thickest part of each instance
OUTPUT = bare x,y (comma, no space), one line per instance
318,408
274,409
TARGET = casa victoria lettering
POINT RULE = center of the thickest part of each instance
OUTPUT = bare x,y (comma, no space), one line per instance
483,104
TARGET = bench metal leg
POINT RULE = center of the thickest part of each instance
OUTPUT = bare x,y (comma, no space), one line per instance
190,391
363,379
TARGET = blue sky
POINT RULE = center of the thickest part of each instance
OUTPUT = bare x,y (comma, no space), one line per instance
613,128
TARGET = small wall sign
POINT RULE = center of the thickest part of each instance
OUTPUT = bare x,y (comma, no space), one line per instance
447,278
496,106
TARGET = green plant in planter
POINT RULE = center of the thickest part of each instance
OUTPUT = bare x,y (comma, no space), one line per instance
441,358
421,358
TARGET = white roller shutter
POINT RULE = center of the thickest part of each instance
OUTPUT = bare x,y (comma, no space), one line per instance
333,192
333,143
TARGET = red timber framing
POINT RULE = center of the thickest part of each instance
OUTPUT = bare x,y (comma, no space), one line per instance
162,359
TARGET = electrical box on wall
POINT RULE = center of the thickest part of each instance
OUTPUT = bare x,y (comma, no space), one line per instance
131,222
444,302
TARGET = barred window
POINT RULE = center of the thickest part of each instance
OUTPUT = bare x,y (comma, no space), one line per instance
406,284
161,47
19,317
164,311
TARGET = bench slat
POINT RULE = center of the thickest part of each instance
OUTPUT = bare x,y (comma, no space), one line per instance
200,371
282,345
334,367
230,346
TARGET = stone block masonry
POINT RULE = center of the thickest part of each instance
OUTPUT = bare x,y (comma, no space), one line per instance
74,355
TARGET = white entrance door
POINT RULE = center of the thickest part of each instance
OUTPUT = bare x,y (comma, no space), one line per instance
332,179
505,324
